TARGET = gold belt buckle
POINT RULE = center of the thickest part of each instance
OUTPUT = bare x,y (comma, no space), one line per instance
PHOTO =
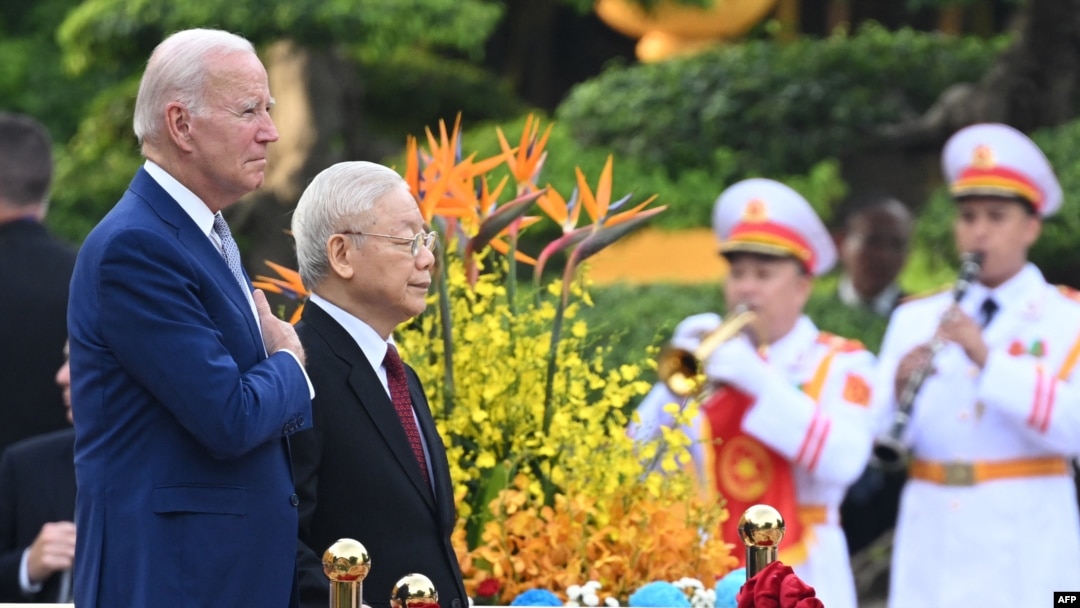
959,474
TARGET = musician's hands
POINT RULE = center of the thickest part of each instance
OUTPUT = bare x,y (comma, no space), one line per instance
957,327
737,363
691,330
918,358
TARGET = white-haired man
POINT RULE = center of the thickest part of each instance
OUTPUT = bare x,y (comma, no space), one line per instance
374,468
187,386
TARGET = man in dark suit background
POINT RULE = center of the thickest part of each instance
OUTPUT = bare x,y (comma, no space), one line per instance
873,239
35,269
187,386
37,506
374,468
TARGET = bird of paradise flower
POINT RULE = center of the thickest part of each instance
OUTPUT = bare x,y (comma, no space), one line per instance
287,283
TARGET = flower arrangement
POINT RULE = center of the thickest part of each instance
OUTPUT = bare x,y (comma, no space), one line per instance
549,487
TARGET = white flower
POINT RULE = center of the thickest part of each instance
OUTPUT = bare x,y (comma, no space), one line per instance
573,592
591,599
611,602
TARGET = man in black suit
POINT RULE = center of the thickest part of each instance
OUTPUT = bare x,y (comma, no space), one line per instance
37,506
373,468
35,269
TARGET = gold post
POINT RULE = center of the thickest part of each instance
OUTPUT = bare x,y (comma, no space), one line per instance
346,563
761,529
414,591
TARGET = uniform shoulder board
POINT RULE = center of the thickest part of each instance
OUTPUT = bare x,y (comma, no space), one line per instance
927,293
1069,293
839,343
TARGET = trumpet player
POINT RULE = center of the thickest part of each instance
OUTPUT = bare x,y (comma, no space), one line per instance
788,420
988,516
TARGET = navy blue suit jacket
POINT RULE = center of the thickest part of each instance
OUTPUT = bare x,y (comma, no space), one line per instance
185,490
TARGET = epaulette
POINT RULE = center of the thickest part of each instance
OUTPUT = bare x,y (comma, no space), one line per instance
927,293
1069,293
839,343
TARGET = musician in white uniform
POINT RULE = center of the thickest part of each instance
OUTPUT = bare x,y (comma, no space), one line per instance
989,514
796,423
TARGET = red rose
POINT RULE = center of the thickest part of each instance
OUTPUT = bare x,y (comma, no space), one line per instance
488,588
776,586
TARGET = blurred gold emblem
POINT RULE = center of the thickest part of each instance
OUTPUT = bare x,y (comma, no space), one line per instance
755,212
982,157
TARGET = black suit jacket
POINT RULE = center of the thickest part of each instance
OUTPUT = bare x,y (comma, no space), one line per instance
357,477
37,486
35,270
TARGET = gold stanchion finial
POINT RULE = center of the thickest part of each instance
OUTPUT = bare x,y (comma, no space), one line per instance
761,529
414,591
346,563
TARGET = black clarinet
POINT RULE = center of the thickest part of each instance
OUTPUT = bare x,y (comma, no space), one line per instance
890,453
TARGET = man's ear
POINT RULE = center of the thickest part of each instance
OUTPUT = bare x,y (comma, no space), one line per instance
337,254
178,124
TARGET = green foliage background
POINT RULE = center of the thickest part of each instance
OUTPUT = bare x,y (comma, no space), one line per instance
770,109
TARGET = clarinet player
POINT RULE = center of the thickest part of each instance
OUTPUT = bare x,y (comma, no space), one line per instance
989,514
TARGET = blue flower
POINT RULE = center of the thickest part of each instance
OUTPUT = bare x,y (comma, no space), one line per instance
536,597
728,587
659,594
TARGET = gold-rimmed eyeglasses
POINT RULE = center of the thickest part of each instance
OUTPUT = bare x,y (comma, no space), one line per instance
427,240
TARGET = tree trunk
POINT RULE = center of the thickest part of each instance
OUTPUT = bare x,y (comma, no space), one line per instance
1034,83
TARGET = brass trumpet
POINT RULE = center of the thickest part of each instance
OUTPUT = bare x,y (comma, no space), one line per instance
681,369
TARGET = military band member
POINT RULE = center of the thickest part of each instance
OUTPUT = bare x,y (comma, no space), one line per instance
989,514
792,427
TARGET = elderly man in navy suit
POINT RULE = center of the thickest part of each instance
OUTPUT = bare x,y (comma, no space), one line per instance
187,386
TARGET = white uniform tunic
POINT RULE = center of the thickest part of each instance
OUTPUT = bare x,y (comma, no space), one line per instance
1005,542
828,442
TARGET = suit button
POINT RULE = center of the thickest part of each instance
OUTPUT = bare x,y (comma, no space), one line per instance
286,428
294,499
456,603
300,422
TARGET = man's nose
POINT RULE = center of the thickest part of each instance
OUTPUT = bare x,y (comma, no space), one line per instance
268,132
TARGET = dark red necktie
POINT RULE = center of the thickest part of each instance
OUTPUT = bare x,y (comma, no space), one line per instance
399,394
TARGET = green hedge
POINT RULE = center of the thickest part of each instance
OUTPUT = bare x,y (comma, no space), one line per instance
783,108
689,195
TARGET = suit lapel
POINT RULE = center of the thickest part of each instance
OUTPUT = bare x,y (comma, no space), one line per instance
371,395
198,244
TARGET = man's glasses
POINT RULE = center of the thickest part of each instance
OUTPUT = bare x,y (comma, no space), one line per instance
427,240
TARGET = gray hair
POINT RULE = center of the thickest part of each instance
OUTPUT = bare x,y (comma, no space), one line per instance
177,71
344,192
